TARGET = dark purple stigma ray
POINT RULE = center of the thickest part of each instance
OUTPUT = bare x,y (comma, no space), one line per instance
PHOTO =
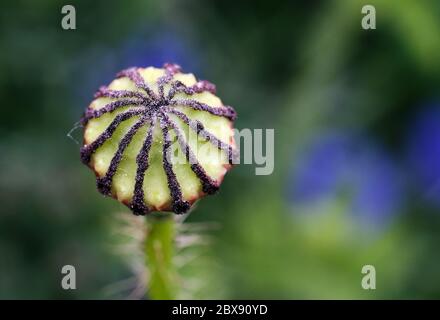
104,184
199,87
138,205
104,91
86,151
134,75
204,85
110,107
209,185
179,205
172,68
172,92
161,82
199,128
222,111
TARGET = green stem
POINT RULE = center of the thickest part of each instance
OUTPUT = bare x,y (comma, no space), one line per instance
159,250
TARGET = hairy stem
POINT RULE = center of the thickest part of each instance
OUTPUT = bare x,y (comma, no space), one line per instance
159,252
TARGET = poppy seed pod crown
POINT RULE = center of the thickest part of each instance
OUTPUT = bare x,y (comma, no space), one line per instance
158,139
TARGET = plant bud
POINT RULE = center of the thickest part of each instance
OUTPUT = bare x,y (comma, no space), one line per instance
158,139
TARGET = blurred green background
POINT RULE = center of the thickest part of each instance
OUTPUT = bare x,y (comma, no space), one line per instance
356,115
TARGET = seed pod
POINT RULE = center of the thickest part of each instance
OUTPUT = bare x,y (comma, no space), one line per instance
158,139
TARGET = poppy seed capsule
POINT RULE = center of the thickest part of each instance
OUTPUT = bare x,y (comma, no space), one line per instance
158,139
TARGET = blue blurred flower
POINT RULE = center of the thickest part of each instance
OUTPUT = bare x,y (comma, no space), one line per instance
148,46
423,153
343,164
157,48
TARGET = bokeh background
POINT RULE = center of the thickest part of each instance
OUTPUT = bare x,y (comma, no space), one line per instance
357,157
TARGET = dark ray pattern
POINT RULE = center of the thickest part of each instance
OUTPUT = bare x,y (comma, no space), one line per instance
112,106
86,151
104,183
209,186
134,75
117,94
199,87
178,204
153,109
138,205
223,111
199,128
